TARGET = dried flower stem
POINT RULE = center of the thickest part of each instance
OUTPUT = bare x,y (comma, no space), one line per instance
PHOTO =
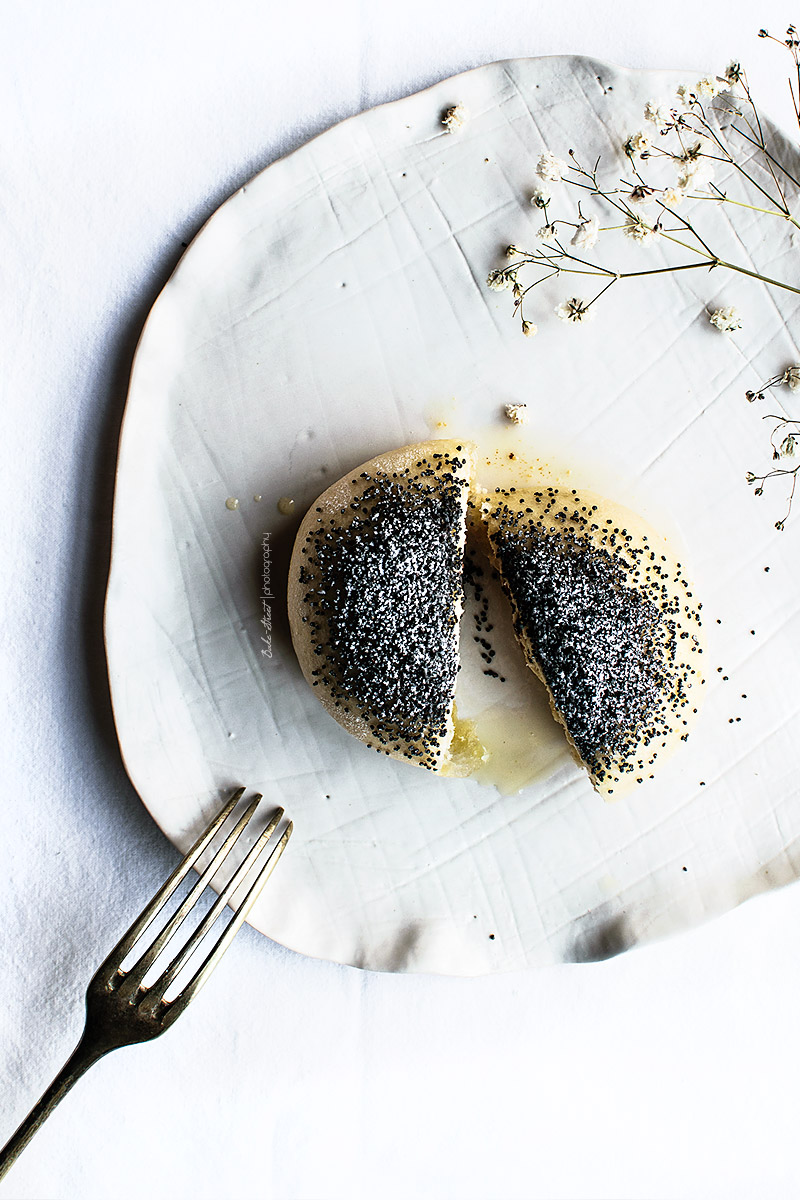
703,128
558,259
784,439
793,46
786,448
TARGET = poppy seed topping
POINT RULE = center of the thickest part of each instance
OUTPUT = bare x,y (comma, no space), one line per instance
602,611
607,622
380,585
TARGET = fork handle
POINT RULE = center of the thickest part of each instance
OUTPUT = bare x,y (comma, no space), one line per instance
87,1052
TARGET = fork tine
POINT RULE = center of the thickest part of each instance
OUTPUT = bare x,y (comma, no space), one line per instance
178,1004
130,980
149,914
159,986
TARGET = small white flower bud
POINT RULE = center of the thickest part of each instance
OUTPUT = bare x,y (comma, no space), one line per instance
707,88
638,145
549,168
586,235
728,319
575,310
498,281
639,231
453,118
792,377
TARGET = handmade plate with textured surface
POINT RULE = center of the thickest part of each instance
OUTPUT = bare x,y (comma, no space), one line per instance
335,307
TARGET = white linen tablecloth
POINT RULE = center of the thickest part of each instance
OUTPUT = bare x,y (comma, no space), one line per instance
666,1072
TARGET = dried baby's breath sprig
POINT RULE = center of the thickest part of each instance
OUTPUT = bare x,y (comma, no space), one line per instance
790,377
792,44
784,437
556,257
709,126
693,141
701,142
733,101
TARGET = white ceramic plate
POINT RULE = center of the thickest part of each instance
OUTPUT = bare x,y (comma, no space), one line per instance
336,307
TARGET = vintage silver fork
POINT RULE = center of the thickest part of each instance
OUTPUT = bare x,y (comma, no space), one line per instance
120,1008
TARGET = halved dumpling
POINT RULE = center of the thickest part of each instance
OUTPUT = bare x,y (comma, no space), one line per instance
606,619
604,614
375,599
